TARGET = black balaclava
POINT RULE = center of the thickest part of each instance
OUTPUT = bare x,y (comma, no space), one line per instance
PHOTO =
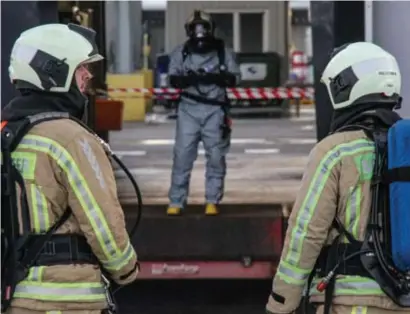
33,101
374,114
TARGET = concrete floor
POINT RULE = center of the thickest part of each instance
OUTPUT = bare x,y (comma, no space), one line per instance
270,154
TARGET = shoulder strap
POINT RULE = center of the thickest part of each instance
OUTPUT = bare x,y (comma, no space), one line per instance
11,135
221,52
185,52
13,131
22,251
32,252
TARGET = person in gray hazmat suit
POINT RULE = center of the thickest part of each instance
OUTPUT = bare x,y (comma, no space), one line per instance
203,68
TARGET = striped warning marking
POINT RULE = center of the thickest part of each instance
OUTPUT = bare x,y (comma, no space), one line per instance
261,151
309,127
299,141
234,141
130,153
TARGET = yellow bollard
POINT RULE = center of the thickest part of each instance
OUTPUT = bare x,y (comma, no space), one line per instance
135,104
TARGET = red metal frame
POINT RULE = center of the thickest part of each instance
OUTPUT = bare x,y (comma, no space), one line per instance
196,269
206,270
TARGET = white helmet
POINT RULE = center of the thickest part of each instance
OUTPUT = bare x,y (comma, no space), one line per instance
361,73
47,56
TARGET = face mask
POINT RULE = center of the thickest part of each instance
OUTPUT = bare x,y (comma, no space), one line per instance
200,32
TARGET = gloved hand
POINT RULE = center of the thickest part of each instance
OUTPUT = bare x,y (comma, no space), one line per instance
224,79
229,79
183,81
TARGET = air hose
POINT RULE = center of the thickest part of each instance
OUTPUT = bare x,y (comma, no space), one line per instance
124,168
137,190
134,228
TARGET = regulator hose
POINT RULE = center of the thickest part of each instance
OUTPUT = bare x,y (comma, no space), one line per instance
124,168
137,190
113,306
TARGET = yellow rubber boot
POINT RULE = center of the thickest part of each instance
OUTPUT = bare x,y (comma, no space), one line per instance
211,210
173,211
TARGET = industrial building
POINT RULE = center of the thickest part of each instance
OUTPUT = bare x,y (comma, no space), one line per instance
248,27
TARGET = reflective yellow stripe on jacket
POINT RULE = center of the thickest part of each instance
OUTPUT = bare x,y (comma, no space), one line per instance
289,269
115,259
33,286
50,291
351,285
359,310
319,181
26,162
41,220
353,211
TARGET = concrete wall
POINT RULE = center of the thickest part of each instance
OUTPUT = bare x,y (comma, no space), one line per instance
178,11
391,30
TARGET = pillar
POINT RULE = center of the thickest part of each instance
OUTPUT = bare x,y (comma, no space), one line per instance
123,35
123,47
334,23
391,30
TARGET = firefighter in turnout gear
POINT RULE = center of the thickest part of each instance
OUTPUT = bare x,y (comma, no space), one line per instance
203,68
66,174
328,225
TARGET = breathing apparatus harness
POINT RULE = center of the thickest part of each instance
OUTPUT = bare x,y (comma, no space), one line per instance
21,252
370,258
222,79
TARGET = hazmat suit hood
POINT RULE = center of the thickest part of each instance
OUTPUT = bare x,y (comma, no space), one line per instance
200,29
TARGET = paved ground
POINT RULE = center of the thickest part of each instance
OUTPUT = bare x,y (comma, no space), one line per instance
250,136
266,159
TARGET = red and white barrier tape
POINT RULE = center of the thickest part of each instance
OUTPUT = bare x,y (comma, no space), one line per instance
233,93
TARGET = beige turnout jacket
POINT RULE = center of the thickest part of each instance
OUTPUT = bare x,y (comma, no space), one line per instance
64,165
336,182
